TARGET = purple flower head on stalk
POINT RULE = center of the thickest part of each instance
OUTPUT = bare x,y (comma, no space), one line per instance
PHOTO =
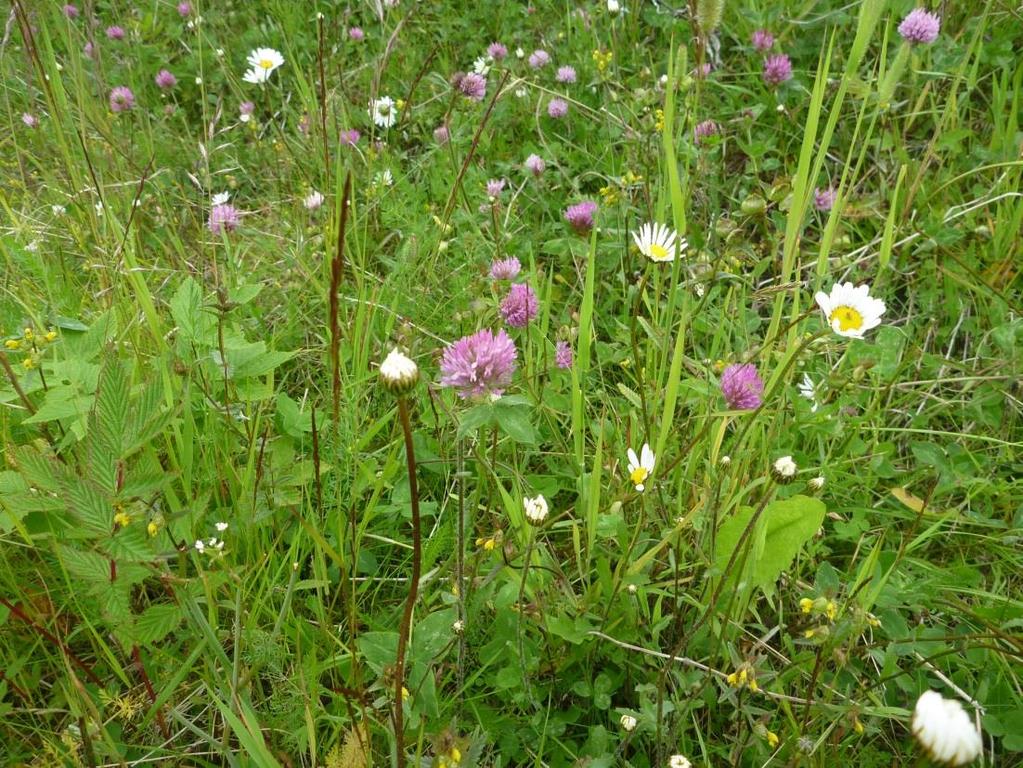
495,187
505,269
565,75
29,119
223,218
563,357
473,86
702,71
350,137
245,110
184,9
742,387
356,34
705,130
539,58
88,49
535,165
165,80
496,51
762,40
441,134
121,99
580,216
519,306
115,33
920,26
823,199
479,365
71,11
777,69
557,108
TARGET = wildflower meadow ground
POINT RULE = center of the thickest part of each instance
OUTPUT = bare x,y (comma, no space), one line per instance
584,383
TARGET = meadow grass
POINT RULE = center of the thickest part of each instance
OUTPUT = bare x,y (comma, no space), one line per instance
230,537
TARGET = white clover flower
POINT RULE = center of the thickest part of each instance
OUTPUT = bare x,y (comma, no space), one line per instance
640,468
944,730
679,761
850,309
384,111
482,65
519,53
384,178
628,723
809,390
313,200
784,469
657,242
613,6
220,198
200,546
536,509
58,210
262,62
399,372
221,527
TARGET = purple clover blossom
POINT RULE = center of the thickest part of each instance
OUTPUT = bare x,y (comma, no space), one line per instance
920,26
777,69
165,80
703,70
563,357
535,165
121,99
71,11
496,51
580,216
557,108
762,40
565,75
350,137
505,269
184,9
115,33
539,58
88,49
495,187
473,86
30,120
479,365
441,135
742,387
823,199
356,34
223,218
705,130
520,305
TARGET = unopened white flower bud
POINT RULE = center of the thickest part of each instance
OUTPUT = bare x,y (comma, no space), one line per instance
784,470
628,722
536,509
399,373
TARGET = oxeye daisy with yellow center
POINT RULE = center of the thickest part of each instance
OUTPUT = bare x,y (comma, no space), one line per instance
641,467
657,242
850,309
262,62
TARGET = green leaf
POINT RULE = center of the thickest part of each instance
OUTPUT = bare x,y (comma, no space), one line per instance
478,416
89,567
156,622
784,527
514,421
431,635
194,324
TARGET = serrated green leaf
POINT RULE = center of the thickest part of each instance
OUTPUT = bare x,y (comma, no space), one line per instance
156,622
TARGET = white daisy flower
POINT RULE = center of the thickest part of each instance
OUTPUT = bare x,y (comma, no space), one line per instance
628,721
679,761
809,390
220,198
384,112
850,309
262,62
536,509
945,731
640,469
657,242
613,6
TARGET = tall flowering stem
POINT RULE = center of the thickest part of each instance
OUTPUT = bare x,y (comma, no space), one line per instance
413,589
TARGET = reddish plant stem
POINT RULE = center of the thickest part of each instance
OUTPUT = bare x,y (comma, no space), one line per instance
136,656
413,590
20,614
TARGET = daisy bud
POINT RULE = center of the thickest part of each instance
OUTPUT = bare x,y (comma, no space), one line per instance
816,484
784,470
725,461
399,373
458,627
944,730
536,509
628,722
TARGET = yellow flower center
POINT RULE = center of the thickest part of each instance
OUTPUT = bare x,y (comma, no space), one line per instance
639,475
848,319
658,251
266,63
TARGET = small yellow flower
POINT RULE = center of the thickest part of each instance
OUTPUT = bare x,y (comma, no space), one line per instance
456,754
732,680
12,344
28,363
631,178
659,120
772,739
831,610
122,519
51,335
857,725
609,195
809,633
400,103
29,334
806,605
753,687
152,528
404,693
